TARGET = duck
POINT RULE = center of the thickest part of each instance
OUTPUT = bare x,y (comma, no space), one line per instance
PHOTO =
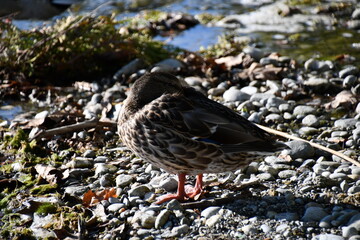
34,9
180,130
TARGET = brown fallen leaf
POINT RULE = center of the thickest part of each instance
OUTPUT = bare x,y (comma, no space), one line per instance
49,173
344,99
91,198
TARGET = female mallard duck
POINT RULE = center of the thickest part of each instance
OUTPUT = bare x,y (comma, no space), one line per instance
183,132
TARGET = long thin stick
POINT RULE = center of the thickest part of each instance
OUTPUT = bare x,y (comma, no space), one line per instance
286,135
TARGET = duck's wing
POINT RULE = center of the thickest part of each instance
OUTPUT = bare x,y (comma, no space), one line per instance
199,118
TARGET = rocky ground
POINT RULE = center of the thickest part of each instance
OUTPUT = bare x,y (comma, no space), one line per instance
304,193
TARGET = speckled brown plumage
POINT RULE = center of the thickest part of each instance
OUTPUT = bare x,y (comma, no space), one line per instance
183,132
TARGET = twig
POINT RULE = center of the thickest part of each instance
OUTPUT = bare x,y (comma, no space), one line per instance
73,128
316,145
222,200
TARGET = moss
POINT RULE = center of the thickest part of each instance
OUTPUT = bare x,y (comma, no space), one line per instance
303,2
73,48
42,189
18,138
224,47
206,18
4,200
46,208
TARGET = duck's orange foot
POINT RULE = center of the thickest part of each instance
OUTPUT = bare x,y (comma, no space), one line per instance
169,197
193,192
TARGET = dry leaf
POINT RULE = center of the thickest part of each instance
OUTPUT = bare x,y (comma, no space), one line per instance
91,198
49,173
344,99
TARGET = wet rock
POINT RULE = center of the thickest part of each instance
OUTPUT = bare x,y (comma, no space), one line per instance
314,214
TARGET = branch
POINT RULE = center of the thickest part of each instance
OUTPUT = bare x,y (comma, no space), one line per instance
73,128
316,145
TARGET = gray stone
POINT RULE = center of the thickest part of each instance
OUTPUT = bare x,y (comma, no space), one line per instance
210,222
327,236
345,123
310,121
265,228
168,65
356,14
351,70
349,81
249,229
81,163
338,176
300,149
129,68
274,118
210,211
174,205
89,154
193,81
169,184
115,207
147,221
288,216
124,180
255,53
180,230
314,214
162,218
250,90
216,91
353,189
303,110
234,94
139,191
355,237
286,174
308,131
318,84
286,107
257,97
265,176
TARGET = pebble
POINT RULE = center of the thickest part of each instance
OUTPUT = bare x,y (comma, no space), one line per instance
139,191
300,149
249,230
303,110
169,65
310,121
123,180
308,131
255,53
115,207
314,214
162,218
265,228
210,211
250,90
180,230
345,123
288,216
210,222
356,14
285,174
327,237
81,163
338,176
147,221
89,154
234,94
169,184
257,97
317,84
351,70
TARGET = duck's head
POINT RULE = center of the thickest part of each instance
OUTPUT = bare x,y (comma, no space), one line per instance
151,86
